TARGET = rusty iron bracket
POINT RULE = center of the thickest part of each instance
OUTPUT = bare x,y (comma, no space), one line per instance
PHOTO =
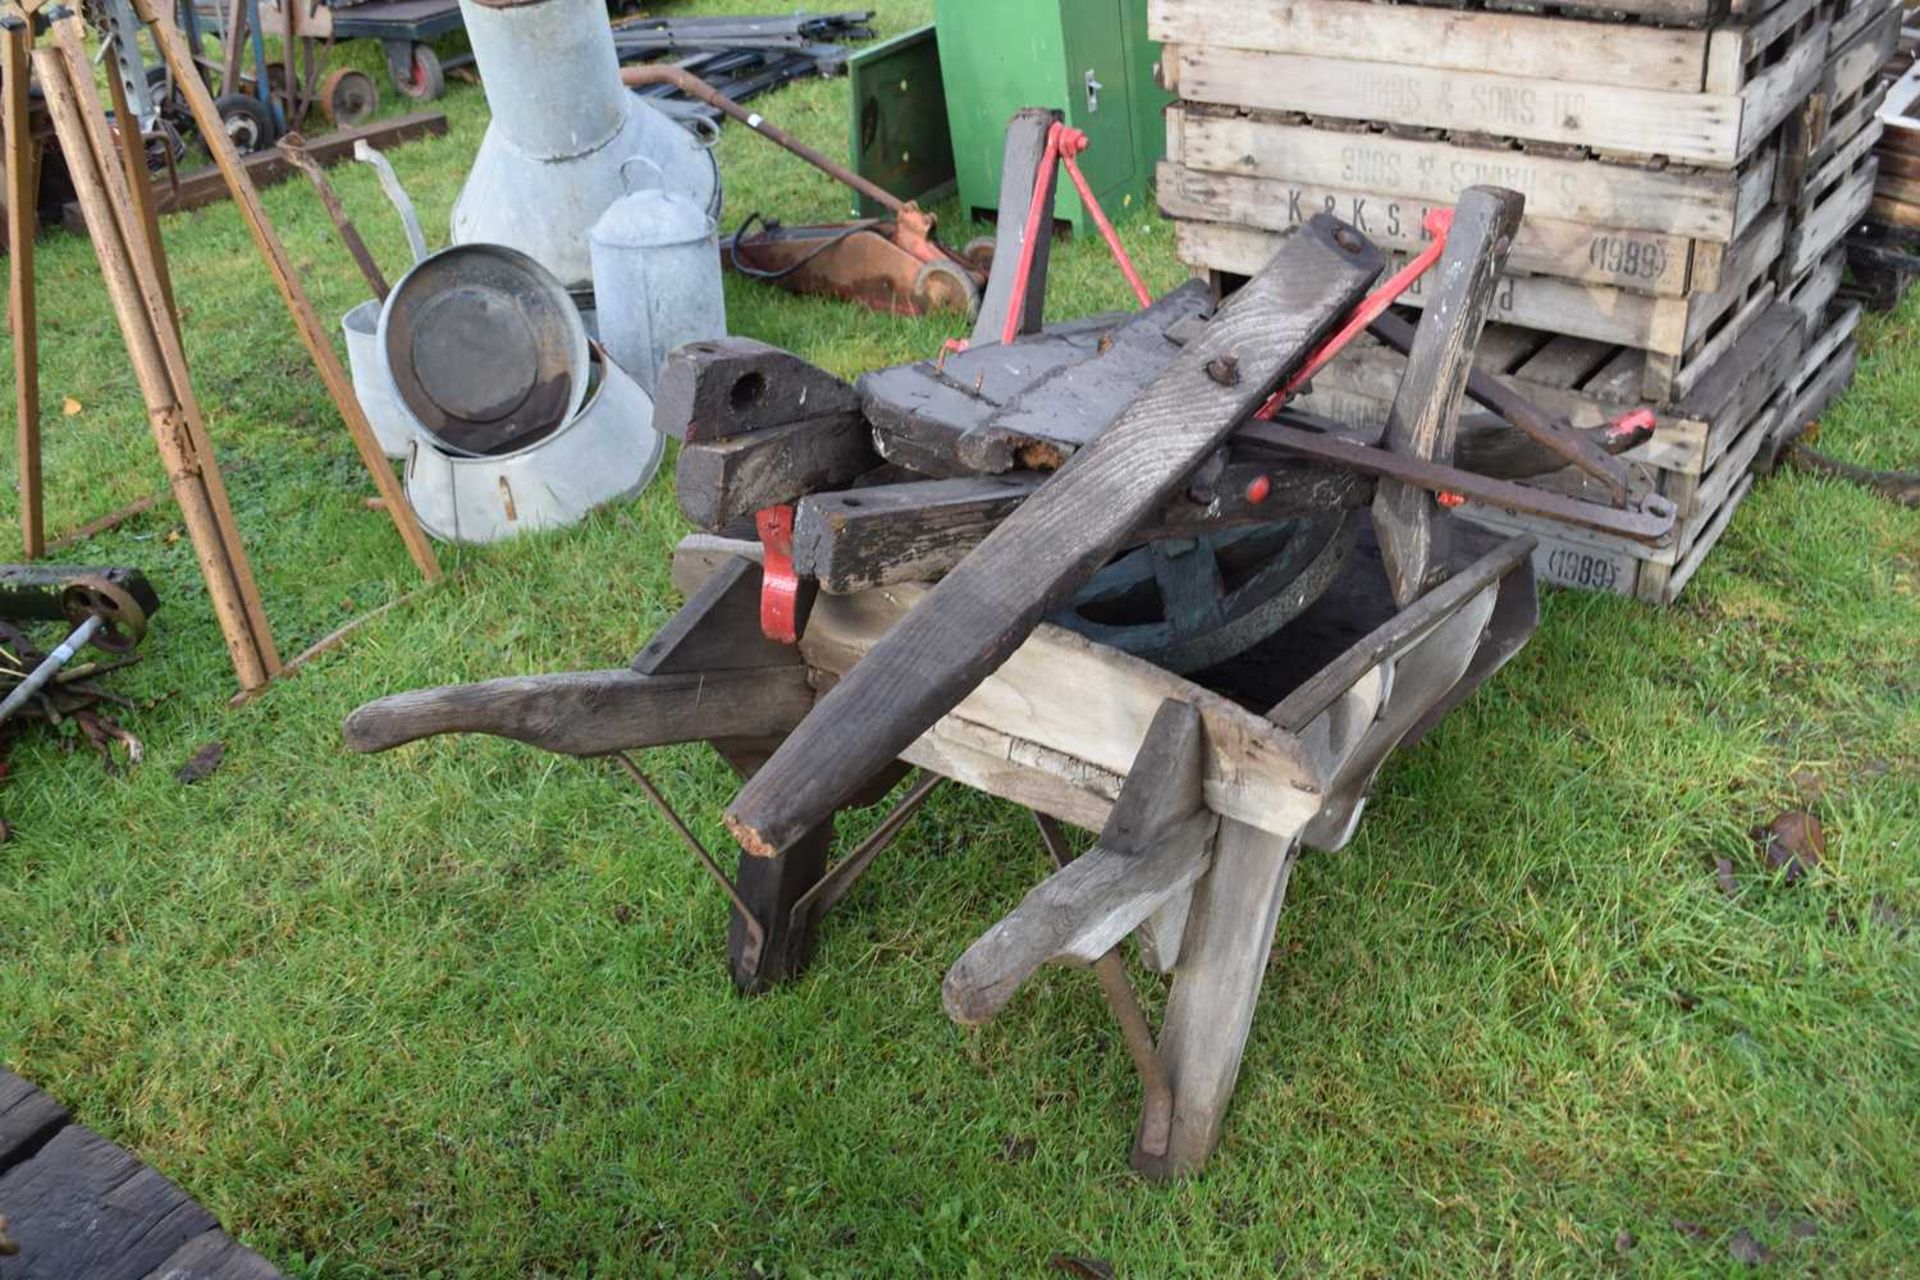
1156,1106
756,932
1648,521
830,888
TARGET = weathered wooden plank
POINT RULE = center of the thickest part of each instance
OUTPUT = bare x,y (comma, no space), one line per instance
718,629
1702,204
976,616
592,713
1216,988
1026,143
83,1207
911,532
1643,261
734,386
1426,409
1546,47
1694,127
1042,424
1154,846
1073,714
721,480
214,1255
28,1118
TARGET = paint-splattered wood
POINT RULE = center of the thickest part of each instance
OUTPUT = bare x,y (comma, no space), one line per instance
79,1206
1030,565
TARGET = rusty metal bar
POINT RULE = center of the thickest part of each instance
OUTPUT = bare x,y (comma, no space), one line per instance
1651,524
756,933
1397,333
1156,1105
294,147
834,885
694,87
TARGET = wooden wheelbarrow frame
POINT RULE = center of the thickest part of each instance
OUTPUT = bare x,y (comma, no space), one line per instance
1194,853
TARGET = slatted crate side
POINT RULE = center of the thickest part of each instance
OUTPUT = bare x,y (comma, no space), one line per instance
1836,210
1563,559
1714,128
1676,328
1451,39
1813,292
1639,261
1714,205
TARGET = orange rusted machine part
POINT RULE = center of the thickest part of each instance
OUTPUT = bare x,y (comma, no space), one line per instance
890,264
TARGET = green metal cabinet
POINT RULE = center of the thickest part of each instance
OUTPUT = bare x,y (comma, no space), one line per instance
1088,59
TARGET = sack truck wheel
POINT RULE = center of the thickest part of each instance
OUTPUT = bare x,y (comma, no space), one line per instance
249,123
420,77
349,97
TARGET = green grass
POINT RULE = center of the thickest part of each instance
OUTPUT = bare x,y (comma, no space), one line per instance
462,1010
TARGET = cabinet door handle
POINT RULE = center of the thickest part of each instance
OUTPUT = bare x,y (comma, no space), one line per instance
1093,91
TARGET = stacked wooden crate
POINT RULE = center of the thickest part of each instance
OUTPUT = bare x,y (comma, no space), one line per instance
1883,252
1686,195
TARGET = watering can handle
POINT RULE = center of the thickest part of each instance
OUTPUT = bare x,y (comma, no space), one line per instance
659,174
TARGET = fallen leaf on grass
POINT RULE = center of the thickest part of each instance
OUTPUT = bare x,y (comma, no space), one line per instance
374,504
1792,843
1085,1268
1803,1229
204,762
1623,1243
1693,1229
71,407
1745,1248
1014,1149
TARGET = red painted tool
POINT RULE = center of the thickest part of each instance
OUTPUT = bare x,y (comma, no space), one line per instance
779,584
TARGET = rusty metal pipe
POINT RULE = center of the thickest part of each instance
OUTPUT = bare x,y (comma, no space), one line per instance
694,87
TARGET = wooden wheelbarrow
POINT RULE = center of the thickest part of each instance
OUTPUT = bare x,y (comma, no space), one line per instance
1202,788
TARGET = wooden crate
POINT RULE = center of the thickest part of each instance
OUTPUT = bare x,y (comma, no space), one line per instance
1697,97
1682,336
1710,206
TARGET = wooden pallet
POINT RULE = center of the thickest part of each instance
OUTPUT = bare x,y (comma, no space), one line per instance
1708,97
79,1206
1680,334
1822,377
1715,206
1618,15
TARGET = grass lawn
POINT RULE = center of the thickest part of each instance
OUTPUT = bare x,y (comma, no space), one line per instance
462,1010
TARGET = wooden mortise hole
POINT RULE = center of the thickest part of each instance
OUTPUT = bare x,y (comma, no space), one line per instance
749,390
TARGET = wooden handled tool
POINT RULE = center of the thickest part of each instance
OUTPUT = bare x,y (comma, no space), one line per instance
1028,566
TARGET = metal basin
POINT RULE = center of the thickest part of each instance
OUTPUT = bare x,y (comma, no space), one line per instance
605,453
485,349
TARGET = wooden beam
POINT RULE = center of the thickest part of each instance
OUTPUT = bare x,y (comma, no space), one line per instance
735,386
719,481
591,713
1155,844
159,368
1426,410
206,186
21,318
1030,565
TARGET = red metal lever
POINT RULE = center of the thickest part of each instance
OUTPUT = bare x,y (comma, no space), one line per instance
1437,224
779,584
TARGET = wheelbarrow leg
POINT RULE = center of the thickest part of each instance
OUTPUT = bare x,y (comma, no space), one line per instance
1216,988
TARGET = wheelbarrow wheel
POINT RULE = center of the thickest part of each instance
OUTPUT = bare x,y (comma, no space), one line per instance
248,122
941,286
419,76
979,252
349,97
